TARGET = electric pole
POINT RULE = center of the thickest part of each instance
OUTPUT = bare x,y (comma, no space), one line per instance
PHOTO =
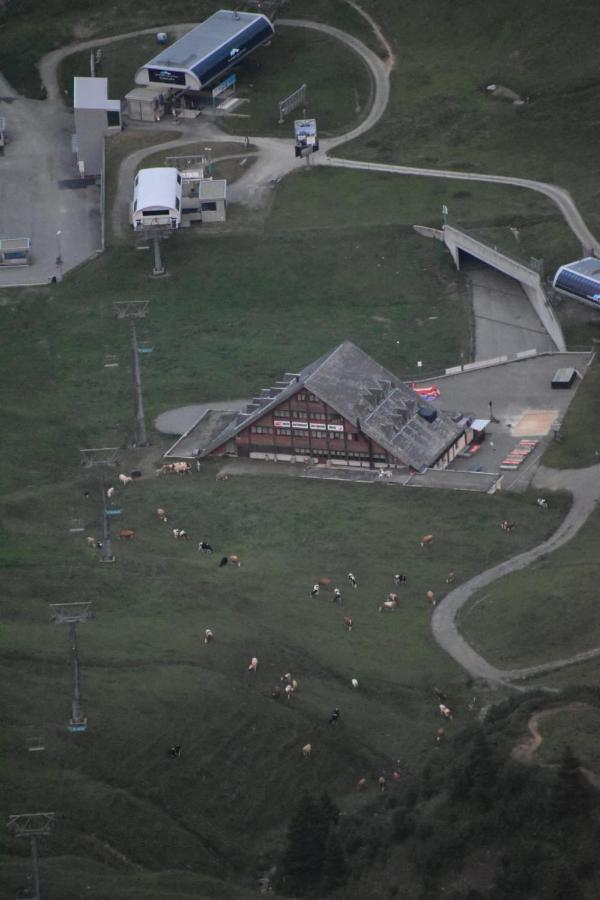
132,310
70,614
102,456
32,826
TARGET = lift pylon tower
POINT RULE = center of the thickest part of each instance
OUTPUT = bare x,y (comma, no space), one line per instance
132,310
70,614
102,456
32,826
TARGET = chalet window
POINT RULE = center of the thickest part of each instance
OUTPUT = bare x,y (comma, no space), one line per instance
208,206
301,396
317,416
298,414
261,429
313,398
334,417
282,413
283,431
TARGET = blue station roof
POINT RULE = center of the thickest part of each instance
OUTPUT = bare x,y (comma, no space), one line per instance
580,279
212,47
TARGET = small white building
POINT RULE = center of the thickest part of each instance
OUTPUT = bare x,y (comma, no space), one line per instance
156,198
95,117
204,200
146,104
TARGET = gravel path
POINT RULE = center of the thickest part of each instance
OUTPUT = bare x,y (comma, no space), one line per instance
584,485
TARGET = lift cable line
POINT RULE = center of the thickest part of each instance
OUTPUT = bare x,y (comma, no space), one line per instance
70,614
102,456
132,310
32,826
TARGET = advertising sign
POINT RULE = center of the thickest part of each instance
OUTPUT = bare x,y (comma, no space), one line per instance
281,423
299,424
305,132
226,85
166,76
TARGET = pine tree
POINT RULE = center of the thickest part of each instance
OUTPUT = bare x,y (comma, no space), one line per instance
571,794
334,864
302,863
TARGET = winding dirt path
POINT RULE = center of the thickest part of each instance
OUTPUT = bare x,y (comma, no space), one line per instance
584,485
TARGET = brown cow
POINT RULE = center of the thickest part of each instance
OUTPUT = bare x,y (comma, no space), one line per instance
426,539
431,597
348,622
127,534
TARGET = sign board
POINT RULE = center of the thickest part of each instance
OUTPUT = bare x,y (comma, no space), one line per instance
166,76
305,132
296,98
226,85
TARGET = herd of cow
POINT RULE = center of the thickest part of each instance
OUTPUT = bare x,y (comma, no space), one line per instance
290,684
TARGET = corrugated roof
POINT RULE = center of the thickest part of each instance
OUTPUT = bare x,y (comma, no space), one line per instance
363,392
156,188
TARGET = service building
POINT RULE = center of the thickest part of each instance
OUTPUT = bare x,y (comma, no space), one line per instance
343,409
95,117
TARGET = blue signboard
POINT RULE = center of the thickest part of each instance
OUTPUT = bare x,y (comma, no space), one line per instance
226,85
166,76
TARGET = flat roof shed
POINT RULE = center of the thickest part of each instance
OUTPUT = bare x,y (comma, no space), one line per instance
208,51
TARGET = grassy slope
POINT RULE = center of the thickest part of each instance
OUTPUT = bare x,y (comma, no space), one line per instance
571,727
547,611
579,444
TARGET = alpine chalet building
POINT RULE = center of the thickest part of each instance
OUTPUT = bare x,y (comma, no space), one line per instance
344,409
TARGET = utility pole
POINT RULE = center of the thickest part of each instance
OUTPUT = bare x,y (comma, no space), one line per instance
158,269
70,614
132,310
102,456
32,826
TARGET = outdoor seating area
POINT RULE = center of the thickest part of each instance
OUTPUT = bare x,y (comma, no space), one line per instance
519,454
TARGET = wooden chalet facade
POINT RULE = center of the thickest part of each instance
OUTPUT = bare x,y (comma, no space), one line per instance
343,409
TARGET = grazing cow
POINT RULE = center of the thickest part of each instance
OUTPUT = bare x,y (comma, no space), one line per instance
337,596
381,783
388,605
162,514
451,577
180,534
295,684
314,590
445,711
165,469
306,750
126,535
182,468
431,597
507,526
224,561
253,664
235,560
426,540
334,716
440,735
348,622
125,479
400,579
110,492
289,690
542,502
206,548
354,682
360,784
91,542
175,751
287,677
208,636
221,476
384,473
352,580
325,583
393,597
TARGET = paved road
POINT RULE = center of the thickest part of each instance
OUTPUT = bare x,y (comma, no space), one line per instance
505,321
33,204
558,195
584,484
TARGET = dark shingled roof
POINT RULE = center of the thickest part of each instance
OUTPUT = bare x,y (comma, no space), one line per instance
363,392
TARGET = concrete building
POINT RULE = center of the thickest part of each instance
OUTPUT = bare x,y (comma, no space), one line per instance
205,201
95,117
156,198
343,409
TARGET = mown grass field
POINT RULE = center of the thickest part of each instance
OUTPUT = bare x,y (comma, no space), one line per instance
149,681
542,613
569,727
